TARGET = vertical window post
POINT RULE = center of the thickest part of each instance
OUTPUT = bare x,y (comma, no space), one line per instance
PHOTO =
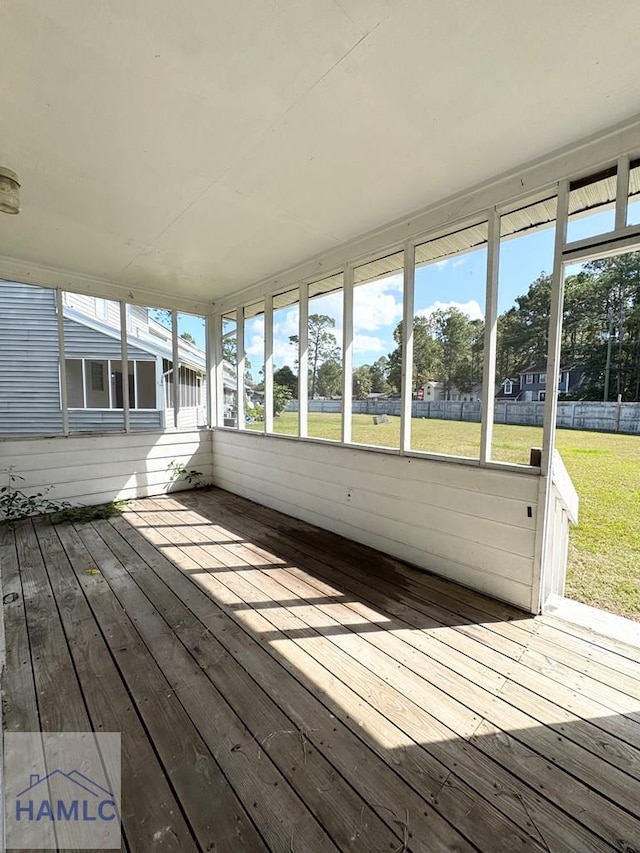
555,332
210,383
218,361
63,365
347,354
622,193
240,366
490,337
407,347
268,363
176,368
125,368
303,362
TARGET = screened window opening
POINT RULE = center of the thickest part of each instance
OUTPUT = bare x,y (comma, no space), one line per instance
526,252
192,355
377,351
592,205
286,347
97,384
254,384
633,202
230,369
448,342
324,360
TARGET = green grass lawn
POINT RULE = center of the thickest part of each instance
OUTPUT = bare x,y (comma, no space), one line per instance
604,551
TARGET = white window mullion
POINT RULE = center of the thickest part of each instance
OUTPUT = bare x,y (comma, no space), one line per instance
303,362
268,363
622,193
126,415
240,368
407,347
555,331
490,337
84,383
109,389
210,378
347,354
218,368
63,365
176,368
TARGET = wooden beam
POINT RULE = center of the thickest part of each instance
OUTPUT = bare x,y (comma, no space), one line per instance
268,363
347,354
240,366
490,337
64,404
126,415
407,346
176,368
303,362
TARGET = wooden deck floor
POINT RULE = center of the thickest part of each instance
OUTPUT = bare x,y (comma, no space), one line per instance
280,688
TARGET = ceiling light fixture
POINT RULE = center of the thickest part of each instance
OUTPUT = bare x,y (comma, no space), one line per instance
9,191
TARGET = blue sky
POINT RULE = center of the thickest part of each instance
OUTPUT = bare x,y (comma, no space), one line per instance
458,281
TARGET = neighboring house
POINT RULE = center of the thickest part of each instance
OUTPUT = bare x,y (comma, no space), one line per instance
531,384
509,389
430,392
435,391
30,398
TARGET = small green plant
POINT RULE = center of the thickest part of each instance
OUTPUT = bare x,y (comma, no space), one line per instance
15,504
89,513
178,471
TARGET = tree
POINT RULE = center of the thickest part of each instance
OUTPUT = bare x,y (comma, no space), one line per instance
322,346
329,379
188,337
361,381
523,331
452,329
285,377
379,371
426,355
281,396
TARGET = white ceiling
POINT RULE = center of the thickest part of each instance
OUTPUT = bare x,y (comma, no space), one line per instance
196,147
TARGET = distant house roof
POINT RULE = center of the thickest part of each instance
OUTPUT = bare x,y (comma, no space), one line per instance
541,367
157,342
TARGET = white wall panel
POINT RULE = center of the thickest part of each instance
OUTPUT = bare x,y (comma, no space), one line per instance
97,469
473,525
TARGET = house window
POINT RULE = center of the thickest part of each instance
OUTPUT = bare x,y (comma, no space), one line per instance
542,378
97,384
541,396
508,387
528,379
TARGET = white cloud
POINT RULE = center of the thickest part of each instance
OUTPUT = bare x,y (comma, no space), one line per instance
375,305
471,308
450,262
368,343
285,324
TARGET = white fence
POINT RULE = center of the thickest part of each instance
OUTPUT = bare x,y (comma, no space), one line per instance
604,417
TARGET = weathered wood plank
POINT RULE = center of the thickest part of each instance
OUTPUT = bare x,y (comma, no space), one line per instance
97,627
262,787
327,731
555,747
425,726
482,647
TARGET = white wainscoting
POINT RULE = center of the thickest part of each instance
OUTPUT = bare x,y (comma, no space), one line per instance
472,525
100,468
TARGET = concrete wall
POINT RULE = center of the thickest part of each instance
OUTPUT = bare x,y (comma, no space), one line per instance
605,417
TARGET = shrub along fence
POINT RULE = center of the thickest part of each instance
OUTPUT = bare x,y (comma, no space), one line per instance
603,417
